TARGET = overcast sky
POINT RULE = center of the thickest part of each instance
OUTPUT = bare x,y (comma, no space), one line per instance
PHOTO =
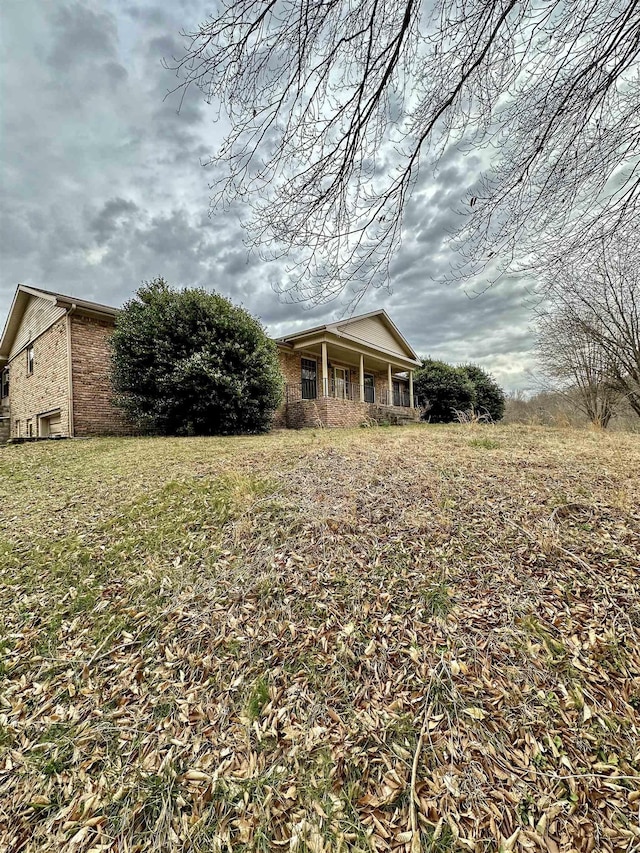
103,187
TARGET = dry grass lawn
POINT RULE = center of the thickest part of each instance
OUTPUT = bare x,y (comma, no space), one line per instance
418,639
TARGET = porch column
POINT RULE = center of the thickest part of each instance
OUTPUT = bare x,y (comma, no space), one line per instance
361,378
411,388
390,384
325,371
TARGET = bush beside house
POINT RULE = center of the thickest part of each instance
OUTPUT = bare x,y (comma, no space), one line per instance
489,398
447,390
189,362
443,389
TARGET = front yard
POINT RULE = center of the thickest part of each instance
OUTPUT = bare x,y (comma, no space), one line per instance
322,641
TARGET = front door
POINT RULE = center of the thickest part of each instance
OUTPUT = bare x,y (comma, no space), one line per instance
400,394
340,378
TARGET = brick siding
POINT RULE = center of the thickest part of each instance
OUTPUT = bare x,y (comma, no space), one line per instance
290,369
93,410
332,412
326,412
381,381
47,387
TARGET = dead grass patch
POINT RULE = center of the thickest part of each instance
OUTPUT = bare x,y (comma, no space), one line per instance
333,641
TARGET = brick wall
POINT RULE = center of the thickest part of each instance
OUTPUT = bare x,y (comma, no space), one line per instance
303,413
47,387
326,411
290,368
344,413
93,411
394,414
382,386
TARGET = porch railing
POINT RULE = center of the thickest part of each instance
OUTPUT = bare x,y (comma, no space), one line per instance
396,398
311,389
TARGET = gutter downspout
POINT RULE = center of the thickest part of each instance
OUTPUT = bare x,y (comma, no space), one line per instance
70,368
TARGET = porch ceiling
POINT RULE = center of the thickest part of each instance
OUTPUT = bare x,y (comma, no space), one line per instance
339,356
350,356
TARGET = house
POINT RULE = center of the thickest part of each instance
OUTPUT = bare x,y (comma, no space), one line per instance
345,373
54,371
54,360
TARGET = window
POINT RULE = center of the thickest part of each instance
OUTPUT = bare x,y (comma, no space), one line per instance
29,360
29,428
4,383
17,428
309,376
369,388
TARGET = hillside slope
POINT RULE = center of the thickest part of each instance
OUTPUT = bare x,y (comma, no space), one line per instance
390,639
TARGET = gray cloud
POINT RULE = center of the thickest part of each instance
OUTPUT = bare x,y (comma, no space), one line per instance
80,34
113,212
103,188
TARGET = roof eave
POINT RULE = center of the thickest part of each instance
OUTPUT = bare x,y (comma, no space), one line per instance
83,306
302,334
11,321
23,292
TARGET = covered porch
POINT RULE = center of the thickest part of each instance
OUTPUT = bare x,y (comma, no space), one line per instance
341,373
334,378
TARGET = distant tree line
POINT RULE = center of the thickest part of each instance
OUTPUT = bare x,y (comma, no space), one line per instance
550,408
447,393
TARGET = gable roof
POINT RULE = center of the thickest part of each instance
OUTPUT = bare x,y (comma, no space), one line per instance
21,299
341,328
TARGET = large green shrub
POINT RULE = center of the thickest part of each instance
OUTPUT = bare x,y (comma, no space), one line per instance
188,362
443,390
489,398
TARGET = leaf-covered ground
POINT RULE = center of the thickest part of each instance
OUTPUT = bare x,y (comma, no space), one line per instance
388,639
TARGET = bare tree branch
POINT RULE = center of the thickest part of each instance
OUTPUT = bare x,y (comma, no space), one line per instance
334,107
